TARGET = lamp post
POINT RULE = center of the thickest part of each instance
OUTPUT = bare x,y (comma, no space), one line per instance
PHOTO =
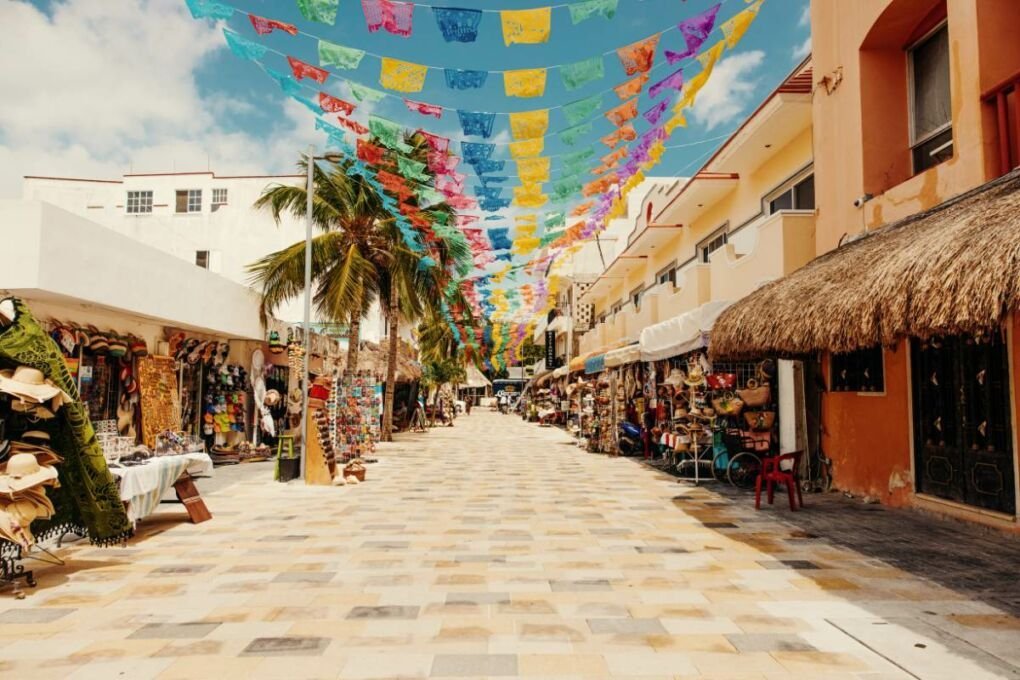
332,157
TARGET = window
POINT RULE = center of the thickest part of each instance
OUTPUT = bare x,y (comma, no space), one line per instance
635,297
799,195
667,275
219,197
931,130
711,244
616,307
858,371
139,202
189,200
202,258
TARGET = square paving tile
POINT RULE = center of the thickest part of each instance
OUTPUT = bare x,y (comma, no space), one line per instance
394,612
286,646
152,631
768,642
474,665
35,615
626,626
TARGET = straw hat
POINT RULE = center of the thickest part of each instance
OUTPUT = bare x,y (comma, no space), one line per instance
32,410
695,376
23,471
272,398
675,378
29,384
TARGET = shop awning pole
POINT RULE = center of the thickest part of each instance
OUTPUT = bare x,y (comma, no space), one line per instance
309,191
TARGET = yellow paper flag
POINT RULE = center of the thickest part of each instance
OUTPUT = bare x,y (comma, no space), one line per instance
529,124
735,27
402,76
527,148
532,170
529,196
527,26
525,83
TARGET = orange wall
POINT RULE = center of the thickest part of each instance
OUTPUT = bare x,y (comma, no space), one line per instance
868,437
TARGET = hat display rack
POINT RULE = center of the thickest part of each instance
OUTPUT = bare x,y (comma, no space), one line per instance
53,476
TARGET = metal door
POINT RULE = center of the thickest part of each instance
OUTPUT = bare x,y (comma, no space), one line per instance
962,425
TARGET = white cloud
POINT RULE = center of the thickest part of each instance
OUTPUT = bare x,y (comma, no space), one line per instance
108,87
802,50
805,16
729,90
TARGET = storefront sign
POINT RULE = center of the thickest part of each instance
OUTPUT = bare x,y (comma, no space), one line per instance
550,349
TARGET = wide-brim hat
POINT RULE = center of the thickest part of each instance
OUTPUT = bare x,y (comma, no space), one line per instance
675,378
44,455
29,384
695,376
23,471
272,398
32,410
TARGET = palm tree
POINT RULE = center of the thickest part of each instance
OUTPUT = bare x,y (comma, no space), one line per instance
347,255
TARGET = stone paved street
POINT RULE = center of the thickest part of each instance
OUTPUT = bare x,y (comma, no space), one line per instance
495,549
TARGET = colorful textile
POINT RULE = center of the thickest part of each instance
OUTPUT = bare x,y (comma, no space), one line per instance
331,54
424,109
526,26
389,134
242,47
412,169
624,134
653,114
632,87
527,148
581,110
529,196
529,124
204,9
456,24
472,152
533,170
264,26
674,81
582,72
322,11
477,123
735,27
365,94
524,83
573,135
457,79
402,76
370,153
301,70
622,113
87,498
695,31
395,17
586,9
639,57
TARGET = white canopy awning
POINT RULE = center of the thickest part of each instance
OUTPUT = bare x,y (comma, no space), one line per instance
623,355
681,334
559,324
475,378
561,371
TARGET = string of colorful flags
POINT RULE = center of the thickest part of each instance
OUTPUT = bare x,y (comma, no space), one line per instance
518,253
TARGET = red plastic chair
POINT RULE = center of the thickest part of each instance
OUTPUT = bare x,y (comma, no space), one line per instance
772,473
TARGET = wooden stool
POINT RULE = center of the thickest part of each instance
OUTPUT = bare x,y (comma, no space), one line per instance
287,439
193,503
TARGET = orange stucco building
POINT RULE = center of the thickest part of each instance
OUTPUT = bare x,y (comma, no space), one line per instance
916,121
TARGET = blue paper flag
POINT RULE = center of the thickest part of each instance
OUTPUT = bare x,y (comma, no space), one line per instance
494,204
205,9
484,166
499,239
457,79
242,47
472,152
478,123
457,24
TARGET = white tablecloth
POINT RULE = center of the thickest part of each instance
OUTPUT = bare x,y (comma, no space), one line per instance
142,487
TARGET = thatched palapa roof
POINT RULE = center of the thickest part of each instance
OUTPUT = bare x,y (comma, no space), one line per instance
952,269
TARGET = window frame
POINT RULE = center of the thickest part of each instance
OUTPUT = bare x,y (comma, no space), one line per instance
788,185
187,201
669,271
225,196
863,393
208,259
139,202
702,253
634,297
913,139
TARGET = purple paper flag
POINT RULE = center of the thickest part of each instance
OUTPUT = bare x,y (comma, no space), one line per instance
695,31
653,114
674,81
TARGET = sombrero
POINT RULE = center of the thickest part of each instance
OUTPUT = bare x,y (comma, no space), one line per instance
29,384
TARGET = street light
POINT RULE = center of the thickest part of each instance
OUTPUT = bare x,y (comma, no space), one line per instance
332,157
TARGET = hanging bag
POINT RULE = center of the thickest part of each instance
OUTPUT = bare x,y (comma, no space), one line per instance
760,421
755,395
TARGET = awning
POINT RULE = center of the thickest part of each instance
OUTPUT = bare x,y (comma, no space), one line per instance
595,364
950,270
681,334
542,378
623,355
560,372
475,377
559,324
577,363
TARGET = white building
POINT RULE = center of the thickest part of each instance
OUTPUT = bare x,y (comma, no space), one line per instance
198,217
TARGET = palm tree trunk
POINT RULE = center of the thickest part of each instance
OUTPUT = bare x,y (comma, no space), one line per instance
354,340
391,366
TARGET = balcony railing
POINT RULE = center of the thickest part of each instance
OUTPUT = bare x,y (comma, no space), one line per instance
693,289
1005,97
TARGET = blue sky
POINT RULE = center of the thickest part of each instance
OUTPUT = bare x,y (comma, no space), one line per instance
138,85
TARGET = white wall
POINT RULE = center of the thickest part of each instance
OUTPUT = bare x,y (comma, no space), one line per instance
235,234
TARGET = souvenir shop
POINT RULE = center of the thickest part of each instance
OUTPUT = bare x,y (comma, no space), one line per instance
343,427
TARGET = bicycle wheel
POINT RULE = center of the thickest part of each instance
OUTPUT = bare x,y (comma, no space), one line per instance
743,470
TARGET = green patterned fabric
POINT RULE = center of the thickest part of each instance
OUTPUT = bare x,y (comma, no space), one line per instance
331,54
323,11
88,497
582,72
580,11
583,109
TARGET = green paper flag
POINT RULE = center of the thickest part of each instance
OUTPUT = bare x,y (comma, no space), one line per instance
324,11
580,11
389,134
573,135
581,110
331,54
556,219
365,94
582,72
412,169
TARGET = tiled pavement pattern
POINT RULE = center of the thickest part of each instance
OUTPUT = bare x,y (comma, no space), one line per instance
494,549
